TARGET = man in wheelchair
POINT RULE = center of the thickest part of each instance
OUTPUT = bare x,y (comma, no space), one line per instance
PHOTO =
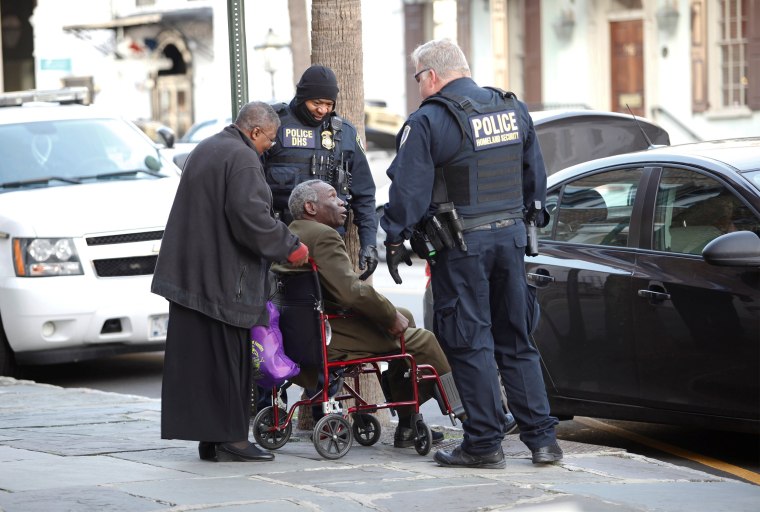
375,324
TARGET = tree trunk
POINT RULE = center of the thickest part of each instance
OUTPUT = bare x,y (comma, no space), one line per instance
299,37
336,42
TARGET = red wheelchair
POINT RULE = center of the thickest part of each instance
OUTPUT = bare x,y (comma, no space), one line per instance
305,326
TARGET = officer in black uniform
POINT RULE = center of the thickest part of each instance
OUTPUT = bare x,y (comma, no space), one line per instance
474,152
313,142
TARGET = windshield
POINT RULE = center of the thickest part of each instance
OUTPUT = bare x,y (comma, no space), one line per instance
62,152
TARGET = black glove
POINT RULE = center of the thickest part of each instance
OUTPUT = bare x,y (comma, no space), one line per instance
367,259
395,254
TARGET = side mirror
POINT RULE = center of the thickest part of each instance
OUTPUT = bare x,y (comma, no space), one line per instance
167,135
737,249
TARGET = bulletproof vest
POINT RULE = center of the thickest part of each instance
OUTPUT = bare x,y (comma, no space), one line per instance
485,176
304,153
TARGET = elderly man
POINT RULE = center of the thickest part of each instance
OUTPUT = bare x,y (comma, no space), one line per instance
217,247
376,324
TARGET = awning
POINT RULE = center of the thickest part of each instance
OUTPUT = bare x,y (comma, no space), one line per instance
166,17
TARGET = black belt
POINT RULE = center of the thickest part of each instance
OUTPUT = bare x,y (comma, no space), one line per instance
492,225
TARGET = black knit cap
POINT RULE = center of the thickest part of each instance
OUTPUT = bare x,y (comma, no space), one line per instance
317,82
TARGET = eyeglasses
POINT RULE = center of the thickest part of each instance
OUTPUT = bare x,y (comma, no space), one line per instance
272,142
418,73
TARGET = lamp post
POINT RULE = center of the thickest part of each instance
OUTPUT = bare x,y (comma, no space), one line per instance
271,51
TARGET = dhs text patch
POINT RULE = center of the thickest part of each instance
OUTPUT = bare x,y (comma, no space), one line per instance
296,137
494,129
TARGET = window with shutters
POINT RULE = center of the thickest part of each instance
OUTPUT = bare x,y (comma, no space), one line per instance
725,55
732,44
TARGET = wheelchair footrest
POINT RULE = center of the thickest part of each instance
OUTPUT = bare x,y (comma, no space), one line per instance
452,394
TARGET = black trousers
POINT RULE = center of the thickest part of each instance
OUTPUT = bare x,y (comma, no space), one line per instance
206,393
482,316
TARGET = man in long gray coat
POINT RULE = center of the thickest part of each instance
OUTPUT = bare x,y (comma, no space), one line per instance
216,250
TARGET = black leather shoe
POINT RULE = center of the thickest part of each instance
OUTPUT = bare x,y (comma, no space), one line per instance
547,454
404,437
226,452
207,451
459,457
510,424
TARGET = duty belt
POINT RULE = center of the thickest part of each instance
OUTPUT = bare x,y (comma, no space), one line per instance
492,225
485,221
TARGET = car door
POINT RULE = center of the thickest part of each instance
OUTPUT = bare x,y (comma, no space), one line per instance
583,280
698,331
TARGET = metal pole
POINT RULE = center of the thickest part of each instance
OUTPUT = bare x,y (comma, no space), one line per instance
238,57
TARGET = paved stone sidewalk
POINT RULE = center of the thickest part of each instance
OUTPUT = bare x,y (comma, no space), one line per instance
84,450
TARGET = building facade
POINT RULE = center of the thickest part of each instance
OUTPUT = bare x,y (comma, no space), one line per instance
693,66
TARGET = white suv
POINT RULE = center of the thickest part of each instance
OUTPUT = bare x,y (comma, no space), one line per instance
84,198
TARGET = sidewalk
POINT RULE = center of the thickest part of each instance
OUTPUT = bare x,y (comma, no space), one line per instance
84,450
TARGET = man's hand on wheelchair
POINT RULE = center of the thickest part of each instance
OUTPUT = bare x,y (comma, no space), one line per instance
394,255
300,256
400,325
367,259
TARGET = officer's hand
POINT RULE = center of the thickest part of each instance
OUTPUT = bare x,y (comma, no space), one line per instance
367,259
395,254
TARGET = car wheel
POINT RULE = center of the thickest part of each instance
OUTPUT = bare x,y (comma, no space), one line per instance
8,366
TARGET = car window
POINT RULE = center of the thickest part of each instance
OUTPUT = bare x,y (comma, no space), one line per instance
692,209
204,130
595,209
71,149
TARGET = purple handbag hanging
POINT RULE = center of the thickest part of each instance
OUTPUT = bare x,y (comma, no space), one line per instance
271,367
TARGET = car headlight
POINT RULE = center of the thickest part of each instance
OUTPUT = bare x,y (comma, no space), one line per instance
40,257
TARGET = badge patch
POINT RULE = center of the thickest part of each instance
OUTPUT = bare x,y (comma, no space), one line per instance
494,129
404,135
297,137
360,143
327,140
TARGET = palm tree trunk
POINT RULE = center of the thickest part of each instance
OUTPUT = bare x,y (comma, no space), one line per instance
299,37
336,42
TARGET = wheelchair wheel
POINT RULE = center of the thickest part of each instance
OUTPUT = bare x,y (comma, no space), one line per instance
264,432
332,436
366,429
424,440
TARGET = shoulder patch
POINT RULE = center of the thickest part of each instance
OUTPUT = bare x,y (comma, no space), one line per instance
404,135
360,143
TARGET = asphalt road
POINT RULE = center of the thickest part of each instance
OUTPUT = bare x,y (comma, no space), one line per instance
730,455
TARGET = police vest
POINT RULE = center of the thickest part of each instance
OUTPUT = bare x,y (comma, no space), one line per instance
485,176
304,153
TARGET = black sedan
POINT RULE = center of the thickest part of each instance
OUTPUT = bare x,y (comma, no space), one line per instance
648,279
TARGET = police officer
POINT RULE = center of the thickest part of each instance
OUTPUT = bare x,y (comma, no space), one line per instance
474,151
313,142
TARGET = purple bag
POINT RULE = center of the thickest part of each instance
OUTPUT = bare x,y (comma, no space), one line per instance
271,367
